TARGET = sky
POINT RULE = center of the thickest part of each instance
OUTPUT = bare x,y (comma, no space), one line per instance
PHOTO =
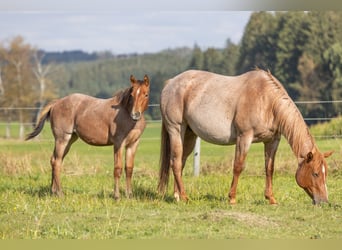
120,29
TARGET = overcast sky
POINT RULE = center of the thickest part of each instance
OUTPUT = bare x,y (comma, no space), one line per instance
56,26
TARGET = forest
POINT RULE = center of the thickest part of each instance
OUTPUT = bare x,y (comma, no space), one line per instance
302,49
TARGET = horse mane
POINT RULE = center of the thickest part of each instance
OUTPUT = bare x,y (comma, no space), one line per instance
289,119
122,97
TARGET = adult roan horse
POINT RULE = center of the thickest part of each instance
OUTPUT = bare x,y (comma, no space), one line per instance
117,121
226,110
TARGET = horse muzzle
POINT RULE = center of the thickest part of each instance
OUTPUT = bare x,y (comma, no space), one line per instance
318,200
136,116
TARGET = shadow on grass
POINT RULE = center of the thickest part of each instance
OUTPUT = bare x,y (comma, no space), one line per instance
40,191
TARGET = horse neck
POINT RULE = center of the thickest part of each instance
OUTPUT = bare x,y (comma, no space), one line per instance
121,99
295,130
289,119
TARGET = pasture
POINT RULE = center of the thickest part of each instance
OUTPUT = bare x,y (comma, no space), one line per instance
88,210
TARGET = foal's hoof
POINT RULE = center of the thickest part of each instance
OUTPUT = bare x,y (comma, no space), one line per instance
57,193
176,195
232,201
182,197
272,201
185,198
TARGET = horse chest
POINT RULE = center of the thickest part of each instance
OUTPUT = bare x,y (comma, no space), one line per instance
126,133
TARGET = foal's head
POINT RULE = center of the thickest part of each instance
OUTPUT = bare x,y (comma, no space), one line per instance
139,97
311,176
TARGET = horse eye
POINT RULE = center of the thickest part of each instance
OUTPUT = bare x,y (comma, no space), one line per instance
315,174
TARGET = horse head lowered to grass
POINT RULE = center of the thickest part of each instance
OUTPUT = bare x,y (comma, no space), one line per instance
226,110
117,121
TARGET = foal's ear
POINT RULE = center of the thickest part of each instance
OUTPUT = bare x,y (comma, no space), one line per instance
132,78
309,157
327,154
146,80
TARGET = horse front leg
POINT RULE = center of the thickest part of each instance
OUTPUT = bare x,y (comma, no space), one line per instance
242,146
270,152
188,147
117,171
129,166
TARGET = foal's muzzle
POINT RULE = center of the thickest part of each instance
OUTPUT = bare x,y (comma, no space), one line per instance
136,116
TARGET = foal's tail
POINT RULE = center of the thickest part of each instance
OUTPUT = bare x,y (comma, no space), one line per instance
44,115
164,161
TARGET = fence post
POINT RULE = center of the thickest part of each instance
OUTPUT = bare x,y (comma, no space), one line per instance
197,156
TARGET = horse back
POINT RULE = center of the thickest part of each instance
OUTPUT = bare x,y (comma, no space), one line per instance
218,107
96,121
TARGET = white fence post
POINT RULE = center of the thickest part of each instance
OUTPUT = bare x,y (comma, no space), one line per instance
197,156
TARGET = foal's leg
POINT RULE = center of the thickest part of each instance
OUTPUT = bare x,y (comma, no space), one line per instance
188,146
242,146
62,147
117,170
270,152
129,165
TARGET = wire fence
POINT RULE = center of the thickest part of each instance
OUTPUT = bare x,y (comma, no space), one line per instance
30,112
156,106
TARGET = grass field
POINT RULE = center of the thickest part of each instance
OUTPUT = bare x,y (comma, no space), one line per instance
88,210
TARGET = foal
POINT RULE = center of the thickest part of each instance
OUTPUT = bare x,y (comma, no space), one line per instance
117,121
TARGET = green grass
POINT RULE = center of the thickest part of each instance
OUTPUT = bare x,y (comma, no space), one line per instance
88,210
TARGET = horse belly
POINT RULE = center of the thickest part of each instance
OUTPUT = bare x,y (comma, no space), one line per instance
213,130
95,136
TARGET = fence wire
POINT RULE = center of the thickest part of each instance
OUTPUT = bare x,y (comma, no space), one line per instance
5,122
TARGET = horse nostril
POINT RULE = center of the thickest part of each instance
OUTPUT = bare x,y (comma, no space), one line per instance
136,116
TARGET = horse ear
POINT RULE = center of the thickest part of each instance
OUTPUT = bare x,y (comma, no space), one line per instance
132,78
309,157
327,154
146,80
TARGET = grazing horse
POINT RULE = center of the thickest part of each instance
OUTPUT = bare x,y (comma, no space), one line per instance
117,121
226,110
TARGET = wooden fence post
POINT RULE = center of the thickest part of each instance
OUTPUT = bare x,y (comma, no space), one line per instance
197,156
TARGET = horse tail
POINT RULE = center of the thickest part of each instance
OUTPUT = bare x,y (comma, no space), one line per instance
44,115
164,161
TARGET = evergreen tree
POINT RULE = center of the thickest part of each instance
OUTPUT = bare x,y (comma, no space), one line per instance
258,44
197,60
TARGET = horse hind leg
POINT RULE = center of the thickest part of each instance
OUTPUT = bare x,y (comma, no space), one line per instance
62,147
270,152
176,155
188,147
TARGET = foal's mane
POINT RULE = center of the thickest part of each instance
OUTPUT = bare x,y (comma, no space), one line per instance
289,119
122,97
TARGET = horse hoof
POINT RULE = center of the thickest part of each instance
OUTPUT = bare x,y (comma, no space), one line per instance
272,200
232,201
176,195
185,198
57,193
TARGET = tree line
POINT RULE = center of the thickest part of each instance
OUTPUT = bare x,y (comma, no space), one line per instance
302,49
